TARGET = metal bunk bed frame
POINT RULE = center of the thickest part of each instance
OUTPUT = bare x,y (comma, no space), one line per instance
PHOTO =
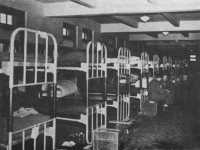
144,72
143,65
94,68
122,66
8,68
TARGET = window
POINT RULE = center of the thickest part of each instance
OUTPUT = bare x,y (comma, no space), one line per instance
86,35
11,18
69,31
193,58
3,18
6,19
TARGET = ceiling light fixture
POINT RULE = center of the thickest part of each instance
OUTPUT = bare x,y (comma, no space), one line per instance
144,18
165,33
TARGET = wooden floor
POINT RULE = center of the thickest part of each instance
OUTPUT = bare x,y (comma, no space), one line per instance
177,128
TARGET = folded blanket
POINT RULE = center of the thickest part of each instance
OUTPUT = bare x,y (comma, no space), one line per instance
23,112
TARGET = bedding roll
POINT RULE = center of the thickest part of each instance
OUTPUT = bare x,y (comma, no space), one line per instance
67,87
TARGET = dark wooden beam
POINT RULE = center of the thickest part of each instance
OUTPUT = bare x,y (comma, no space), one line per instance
152,34
80,2
126,20
185,34
172,19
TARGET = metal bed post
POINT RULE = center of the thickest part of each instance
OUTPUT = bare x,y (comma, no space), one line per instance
155,64
86,96
105,80
25,56
145,70
10,120
36,57
147,74
129,73
142,70
118,85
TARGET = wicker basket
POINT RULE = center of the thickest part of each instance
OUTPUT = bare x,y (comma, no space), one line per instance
105,139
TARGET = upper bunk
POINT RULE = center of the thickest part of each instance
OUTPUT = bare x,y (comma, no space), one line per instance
141,64
121,63
32,52
92,61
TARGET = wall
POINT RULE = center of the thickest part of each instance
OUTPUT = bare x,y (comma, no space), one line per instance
55,25
36,20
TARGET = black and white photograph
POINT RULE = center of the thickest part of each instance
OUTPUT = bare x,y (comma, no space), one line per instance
99,74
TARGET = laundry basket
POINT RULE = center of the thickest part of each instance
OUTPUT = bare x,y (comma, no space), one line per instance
105,139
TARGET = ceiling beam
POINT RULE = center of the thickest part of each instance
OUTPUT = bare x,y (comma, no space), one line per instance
126,20
82,3
172,19
185,26
121,7
171,37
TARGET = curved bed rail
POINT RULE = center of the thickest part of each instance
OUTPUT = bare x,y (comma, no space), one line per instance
124,61
45,64
96,60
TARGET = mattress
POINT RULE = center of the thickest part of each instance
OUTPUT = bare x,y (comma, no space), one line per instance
69,106
19,57
74,58
20,123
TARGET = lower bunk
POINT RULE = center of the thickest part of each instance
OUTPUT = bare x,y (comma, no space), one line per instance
36,129
118,111
76,120
29,124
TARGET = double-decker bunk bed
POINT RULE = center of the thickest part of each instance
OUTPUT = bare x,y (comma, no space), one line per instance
29,63
118,87
81,93
139,88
